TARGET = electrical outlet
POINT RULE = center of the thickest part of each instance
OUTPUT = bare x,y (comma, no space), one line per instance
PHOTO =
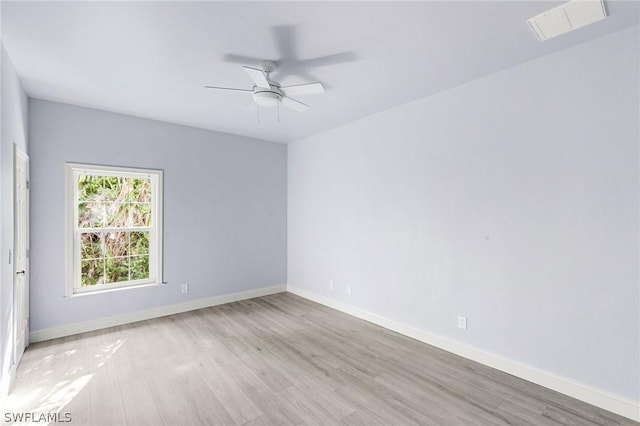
184,288
331,285
462,322
349,290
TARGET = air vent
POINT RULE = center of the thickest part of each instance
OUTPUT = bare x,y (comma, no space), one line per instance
567,17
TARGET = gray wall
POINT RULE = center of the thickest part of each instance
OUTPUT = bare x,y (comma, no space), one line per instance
512,200
13,122
224,208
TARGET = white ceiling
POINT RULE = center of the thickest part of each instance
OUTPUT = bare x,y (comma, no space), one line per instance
151,59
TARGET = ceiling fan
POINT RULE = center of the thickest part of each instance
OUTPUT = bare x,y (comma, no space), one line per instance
269,93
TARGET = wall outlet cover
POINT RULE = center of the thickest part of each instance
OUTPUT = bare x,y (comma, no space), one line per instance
462,322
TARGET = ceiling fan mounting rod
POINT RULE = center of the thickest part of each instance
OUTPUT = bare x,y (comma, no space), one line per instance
268,66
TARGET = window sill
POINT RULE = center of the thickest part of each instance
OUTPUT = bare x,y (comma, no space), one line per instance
111,290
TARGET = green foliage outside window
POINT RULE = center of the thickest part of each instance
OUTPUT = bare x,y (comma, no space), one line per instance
111,209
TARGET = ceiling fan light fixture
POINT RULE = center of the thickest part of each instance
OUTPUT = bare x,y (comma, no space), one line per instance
267,98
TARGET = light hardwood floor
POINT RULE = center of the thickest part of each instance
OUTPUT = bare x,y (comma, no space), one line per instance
275,360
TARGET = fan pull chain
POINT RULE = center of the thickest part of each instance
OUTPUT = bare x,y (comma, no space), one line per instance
278,112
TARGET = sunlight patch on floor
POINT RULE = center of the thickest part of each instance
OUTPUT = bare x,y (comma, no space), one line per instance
38,395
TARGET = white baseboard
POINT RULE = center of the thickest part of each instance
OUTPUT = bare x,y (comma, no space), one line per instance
70,329
605,400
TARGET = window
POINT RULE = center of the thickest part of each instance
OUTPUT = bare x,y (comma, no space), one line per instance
115,231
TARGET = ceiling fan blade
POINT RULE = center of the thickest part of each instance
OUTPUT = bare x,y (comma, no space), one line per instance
257,76
285,40
228,88
294,105
323,61
241,59
303,89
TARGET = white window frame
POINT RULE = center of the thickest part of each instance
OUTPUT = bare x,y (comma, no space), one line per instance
74,283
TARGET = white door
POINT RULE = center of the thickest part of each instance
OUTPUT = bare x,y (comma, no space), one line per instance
21,254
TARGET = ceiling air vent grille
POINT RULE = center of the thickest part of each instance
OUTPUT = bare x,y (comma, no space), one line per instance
567,17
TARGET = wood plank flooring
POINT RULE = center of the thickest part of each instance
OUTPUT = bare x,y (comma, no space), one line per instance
275,360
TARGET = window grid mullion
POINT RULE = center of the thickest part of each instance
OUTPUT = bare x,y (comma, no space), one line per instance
114,229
